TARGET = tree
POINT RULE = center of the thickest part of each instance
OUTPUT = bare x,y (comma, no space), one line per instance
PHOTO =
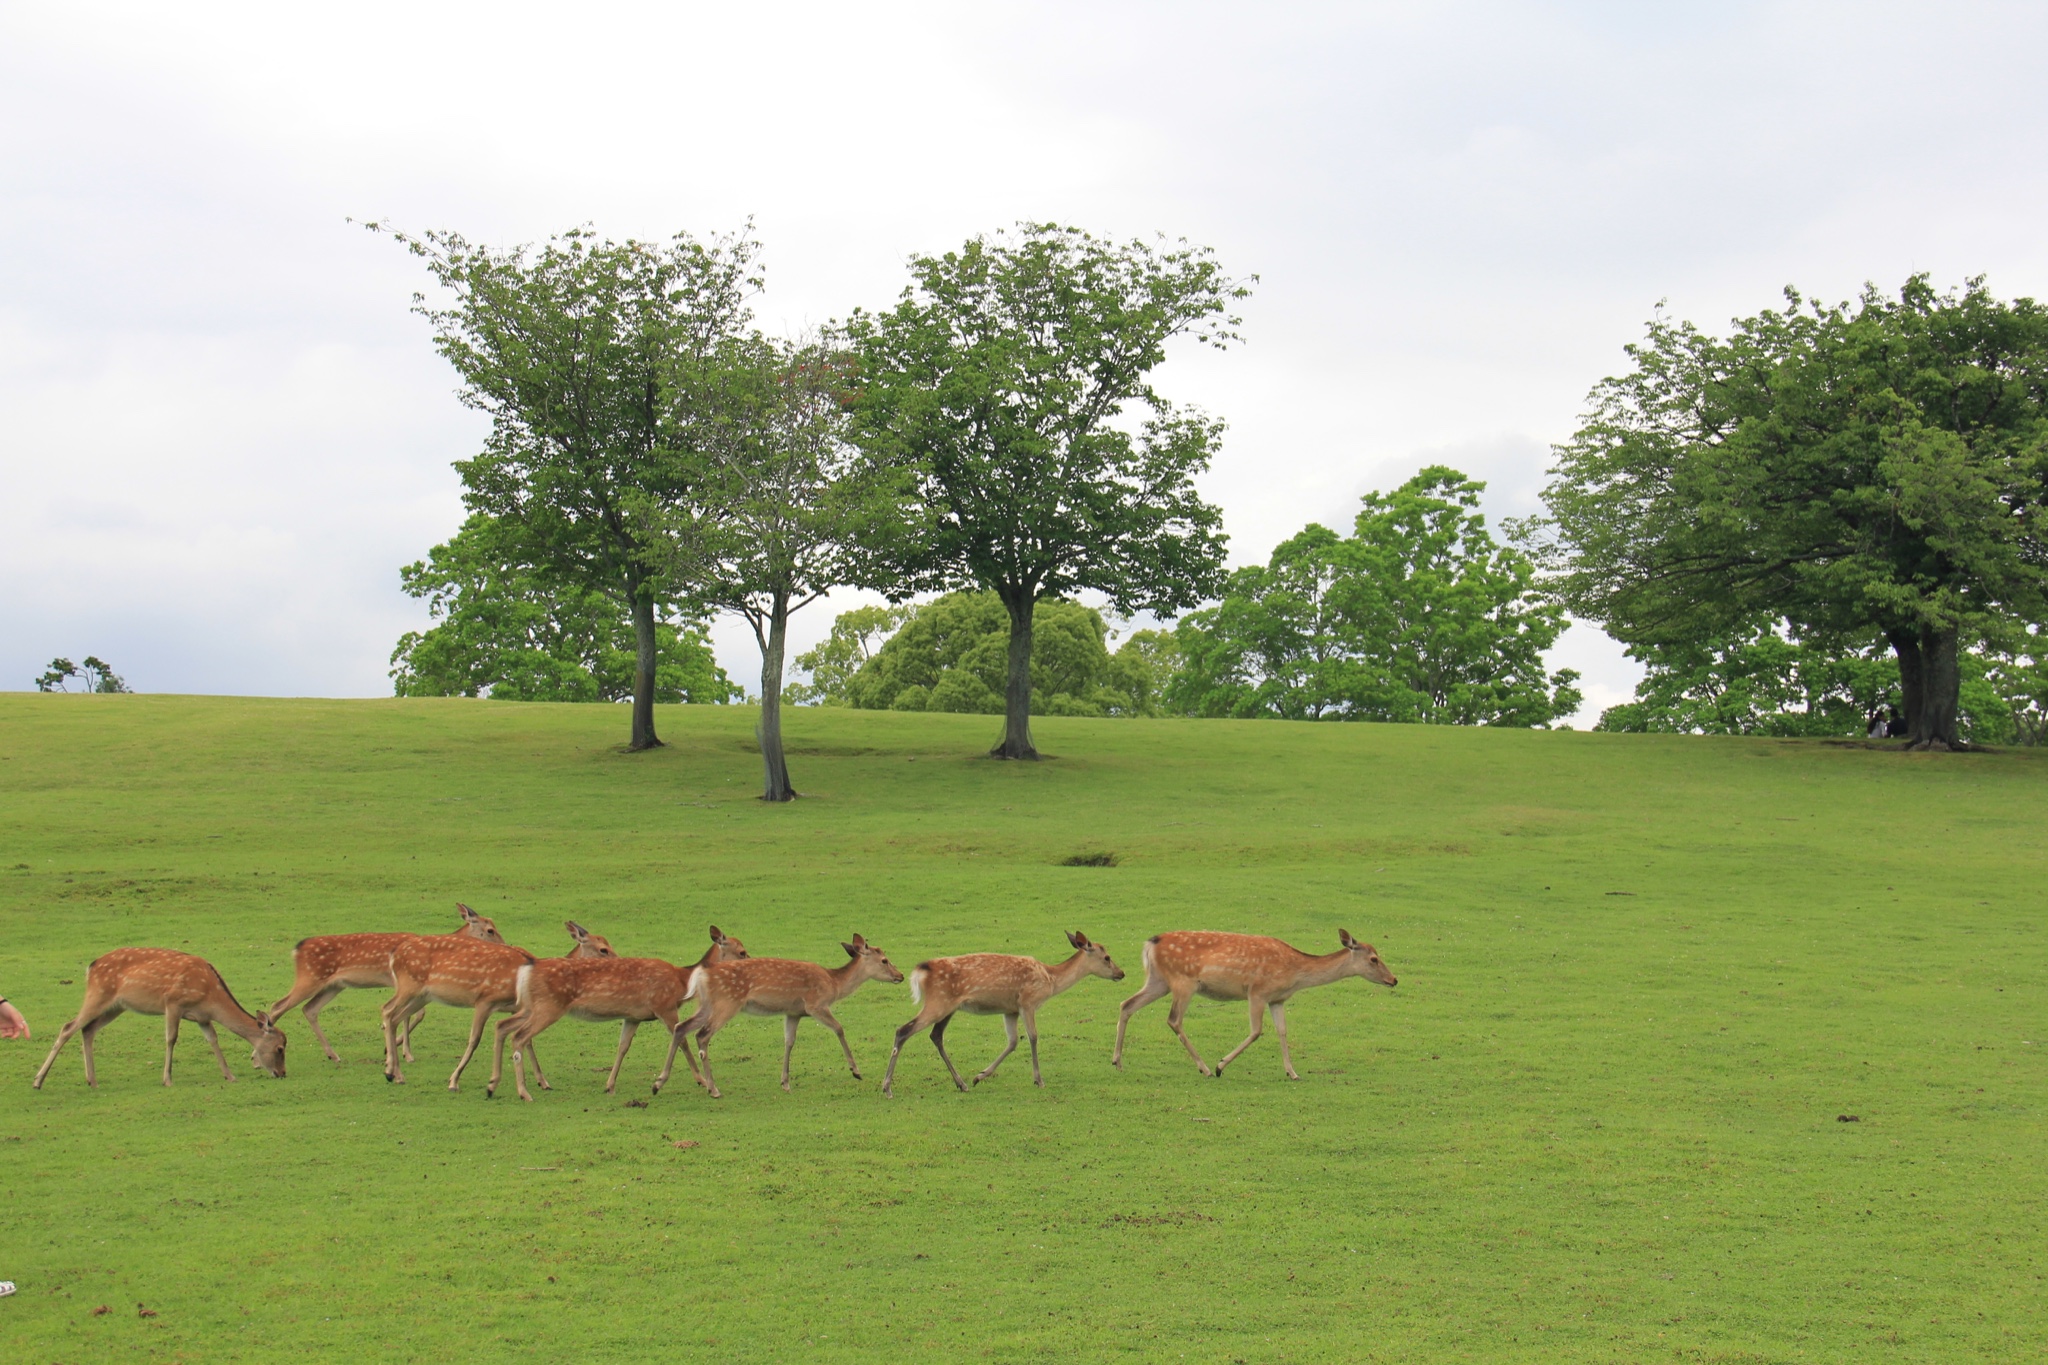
952,654
592,359
1759,681
1418,616
1013,383
1876,467
855,637
793,507
506,632
95,673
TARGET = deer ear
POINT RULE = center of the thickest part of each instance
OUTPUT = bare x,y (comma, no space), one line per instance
851,951
467,913
576,931
859,942
263,1019
1344,937
716,935
1077,938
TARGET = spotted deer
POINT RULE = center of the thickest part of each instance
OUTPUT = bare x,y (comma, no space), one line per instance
631,990
774,985
178,986
1251,967
993,983
325,966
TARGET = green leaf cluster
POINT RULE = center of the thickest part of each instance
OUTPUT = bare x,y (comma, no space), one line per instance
952,654
1418,616
513,633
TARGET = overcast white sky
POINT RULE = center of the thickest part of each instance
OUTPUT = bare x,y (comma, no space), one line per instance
221,431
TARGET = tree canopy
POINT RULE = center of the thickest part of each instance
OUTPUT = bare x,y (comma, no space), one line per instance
506,631
952,654
1419,615
1012,382
590,358
1876,467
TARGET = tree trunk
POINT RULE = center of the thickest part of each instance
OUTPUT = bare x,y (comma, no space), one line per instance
775,786
643,675
1017,693
1931,683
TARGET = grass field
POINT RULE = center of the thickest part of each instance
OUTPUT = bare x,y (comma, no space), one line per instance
1640,979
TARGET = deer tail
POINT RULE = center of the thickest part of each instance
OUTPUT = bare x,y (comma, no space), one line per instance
525,987
917,977
696,983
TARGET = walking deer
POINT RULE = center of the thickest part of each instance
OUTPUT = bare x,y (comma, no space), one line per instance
178,986
993,983
325,966
631,990
774,985
1251,967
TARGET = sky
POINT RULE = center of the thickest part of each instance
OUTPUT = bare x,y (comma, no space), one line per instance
222,430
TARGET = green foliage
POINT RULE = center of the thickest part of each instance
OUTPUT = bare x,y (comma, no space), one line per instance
1876,467
855,637
96,674
952,655
508,632
1758,682
598,363
1583,1128
1418,616
1012,384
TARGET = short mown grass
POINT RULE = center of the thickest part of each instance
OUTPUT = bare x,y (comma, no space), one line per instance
1642,979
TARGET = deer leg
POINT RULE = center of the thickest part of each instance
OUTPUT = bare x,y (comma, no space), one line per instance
704,1034
311,1011
63,1037
626,1032
218,1055
904,1034
824,1016
412,1021
532,1055
395,1009
1010,1032
1173,1018
1031,1032
677,1036
170,1038
505,1026
521,1047
939,1042
476,1033
1279,1012
1258,1008
90,1034
668,1020
789,1023
1150,991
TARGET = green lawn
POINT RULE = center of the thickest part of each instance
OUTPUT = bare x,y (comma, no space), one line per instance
1640,979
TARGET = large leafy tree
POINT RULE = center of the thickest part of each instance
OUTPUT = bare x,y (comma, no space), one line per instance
592,359
1876,467
1014,382
1419,616
505,631
787,509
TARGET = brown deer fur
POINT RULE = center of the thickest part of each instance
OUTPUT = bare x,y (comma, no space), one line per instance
775,985
178,986
631,990
993,983
325,966
1250,967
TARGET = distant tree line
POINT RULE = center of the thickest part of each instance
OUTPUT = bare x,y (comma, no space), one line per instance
94,675
1760,519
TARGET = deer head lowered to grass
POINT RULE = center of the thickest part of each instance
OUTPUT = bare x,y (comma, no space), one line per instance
1251,967
178,986
993,983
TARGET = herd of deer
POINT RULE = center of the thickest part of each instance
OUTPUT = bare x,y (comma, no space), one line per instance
477,970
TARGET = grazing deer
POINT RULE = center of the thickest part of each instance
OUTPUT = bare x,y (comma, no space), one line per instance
326,966
993,983
178,986
632,990
774,985
1250,967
